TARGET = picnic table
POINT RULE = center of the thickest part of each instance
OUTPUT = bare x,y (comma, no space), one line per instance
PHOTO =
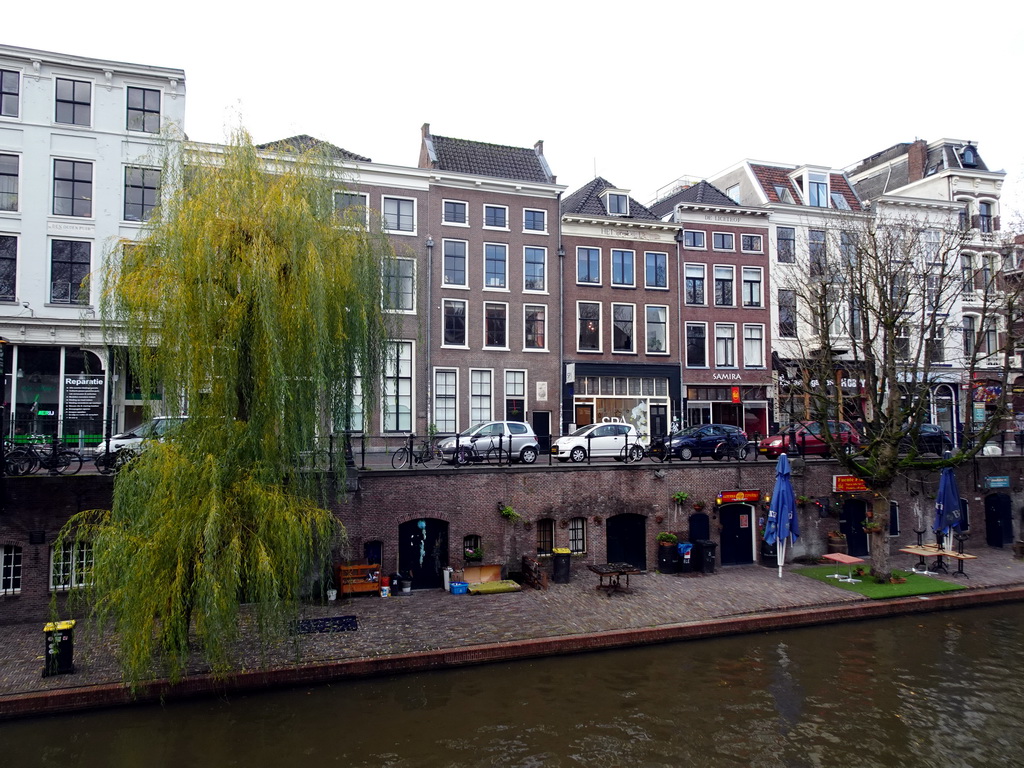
933,550
842,559
614,572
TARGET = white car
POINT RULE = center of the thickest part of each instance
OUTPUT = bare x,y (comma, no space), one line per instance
597,440
155,429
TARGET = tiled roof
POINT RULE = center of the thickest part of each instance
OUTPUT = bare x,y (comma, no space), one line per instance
587,201
701,193
839,183
304,143
482,159
772,176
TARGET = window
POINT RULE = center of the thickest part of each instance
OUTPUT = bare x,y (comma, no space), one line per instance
356,414
817,190
8,267
816,249
534,263
143,110
545,536
400,285
617,204
693,239
471,547
783,193
936,345
990,338
534,220
455,262
970,331
750,243
479,396
967,271
723,241
725,345
399,215
787,313
901,342
533,326
724,277
985,220
446,390
622,327
656,270
495,217
397,400
786,240
752,286
733,193
622,268
8,182
856,317
10,570
496,325
454,323
70,565
495,265
696,345
753,346
694,283
72,188
455,212
839,202
141,193
588,265
588,326
74,102
578,535
351,206
9,93
848,249
515,396
70,265
657,330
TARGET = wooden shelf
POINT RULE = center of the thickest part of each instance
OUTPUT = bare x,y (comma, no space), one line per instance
351,579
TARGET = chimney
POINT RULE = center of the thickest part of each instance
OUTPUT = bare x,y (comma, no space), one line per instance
539,147
917,157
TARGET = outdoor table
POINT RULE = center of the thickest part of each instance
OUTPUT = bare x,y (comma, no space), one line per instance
614,572
932,550
840,559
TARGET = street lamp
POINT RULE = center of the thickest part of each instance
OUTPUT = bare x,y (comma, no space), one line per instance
3,408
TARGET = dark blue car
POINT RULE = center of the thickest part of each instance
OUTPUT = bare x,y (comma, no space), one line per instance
715,440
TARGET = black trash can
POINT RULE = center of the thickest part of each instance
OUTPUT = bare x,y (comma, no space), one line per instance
59,654
769,554
562,571
704,552
668,558
685,562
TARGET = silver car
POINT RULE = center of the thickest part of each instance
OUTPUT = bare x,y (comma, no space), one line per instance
492,441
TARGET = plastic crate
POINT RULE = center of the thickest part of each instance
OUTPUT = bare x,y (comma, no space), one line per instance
459,587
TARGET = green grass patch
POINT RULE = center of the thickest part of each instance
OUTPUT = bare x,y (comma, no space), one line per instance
915,584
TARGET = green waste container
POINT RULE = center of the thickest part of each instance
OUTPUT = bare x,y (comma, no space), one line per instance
59,658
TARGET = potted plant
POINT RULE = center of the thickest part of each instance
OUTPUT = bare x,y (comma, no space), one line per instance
474,553
680,497
698,506
802,500
870,526
837,543
508,513
667,539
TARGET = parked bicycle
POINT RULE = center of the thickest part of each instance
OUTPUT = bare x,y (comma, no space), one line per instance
110,462
428,453
729,450
55,458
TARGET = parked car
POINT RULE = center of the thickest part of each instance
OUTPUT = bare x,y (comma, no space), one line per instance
701,440
809,440
154,429
931,438
491,441
597,440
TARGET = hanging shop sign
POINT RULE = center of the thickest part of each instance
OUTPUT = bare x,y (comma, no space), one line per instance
997,481
847,484
732,497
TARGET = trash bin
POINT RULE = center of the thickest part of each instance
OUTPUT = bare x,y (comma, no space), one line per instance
704,554
59,654
562,572
667,558
769,554
685,561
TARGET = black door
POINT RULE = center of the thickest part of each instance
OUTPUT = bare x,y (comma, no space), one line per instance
851,522
542,428
700,526
627,539
659,420
737,542
998,520
423,551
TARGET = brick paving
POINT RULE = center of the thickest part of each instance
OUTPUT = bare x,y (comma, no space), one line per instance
428,621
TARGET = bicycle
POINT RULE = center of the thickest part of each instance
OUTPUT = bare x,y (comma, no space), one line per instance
725,449
28,459
110,462
428,453
632,452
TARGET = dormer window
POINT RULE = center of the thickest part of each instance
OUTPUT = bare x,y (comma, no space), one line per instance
839,202
817,190
783,193
616,203
969,157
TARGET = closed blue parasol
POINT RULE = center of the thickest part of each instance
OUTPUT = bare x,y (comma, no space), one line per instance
782,522
947,504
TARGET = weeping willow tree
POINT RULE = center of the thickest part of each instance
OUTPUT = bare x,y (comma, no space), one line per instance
250,305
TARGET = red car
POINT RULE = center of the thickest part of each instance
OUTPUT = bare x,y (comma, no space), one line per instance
809,441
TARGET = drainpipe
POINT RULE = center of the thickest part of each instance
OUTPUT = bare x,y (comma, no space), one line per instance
430,321
680,338
561,321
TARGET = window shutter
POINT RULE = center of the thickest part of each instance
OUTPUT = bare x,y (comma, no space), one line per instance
976,221
995,224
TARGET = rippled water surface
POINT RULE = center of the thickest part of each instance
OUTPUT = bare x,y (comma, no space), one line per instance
899,692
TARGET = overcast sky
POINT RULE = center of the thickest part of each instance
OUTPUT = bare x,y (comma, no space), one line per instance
642,94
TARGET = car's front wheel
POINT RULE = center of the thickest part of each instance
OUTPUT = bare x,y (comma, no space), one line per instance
578,454
685,453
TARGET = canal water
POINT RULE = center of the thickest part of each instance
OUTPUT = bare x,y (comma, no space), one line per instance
940,689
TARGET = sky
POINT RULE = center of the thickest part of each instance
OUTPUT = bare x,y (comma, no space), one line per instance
641,95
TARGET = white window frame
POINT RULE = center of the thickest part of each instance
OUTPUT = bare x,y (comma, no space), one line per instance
718,358
92,261
647,335
760,243
648,285
483,221
578,533
732,239
632,261
686,345
365,204
507,391
825,200
760,286
92,100
479,413
53,189
612,193
19,73
139,131
732,282
544,267
704,280
487,286
600,328
746,362
445,222
632,345
13,296
465,331
599,265
392,367
504,305
544,347
438,371
383,215
693,233
12,560
411,310
81,555
543,231
17,182
465,260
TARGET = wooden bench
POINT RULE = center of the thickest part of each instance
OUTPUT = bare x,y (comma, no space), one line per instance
533,575
351,579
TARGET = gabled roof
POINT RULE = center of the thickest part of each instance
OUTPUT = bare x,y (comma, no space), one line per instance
587,201
304,143
481,159
701,193
771,176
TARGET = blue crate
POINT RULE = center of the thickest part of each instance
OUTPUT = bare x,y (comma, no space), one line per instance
459,587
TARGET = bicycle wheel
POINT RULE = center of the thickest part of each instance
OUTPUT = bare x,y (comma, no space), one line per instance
498,456
433,456
68,462
401,458
19,462
106,463
631,453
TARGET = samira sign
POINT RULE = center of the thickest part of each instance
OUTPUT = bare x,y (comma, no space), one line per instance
847,484
731,497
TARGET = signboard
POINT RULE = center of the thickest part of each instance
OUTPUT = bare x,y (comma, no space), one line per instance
83,396
736,394
570,373
731,497
997,481
744,521
847,484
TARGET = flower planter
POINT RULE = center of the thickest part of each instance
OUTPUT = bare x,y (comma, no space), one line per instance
837,546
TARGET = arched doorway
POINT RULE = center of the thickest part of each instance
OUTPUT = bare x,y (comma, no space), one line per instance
627,539
851,522
998,520
737,539
423,551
